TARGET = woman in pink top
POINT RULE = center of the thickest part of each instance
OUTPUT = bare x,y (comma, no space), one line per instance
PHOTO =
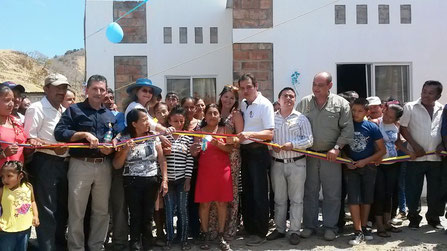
11,130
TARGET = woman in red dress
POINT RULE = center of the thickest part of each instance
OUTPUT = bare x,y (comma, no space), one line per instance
214,183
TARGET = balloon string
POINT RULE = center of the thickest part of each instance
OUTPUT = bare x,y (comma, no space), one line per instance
130,11
119,18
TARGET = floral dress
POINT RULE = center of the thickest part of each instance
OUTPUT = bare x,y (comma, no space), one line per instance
231,224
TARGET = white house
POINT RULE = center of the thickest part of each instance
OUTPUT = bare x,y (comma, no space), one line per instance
195,47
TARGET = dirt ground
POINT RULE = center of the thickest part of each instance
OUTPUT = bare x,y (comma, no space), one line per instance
425,238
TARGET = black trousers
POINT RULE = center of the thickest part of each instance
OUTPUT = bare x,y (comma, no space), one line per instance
141,193
414,181
50,184
386,181
256,160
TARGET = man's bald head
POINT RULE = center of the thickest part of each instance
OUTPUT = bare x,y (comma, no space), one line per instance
324,74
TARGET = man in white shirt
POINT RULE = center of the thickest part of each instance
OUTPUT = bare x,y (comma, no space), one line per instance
288,173
256,159
421,127
49,166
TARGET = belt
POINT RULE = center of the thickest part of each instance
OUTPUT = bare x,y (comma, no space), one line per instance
290,160
91,160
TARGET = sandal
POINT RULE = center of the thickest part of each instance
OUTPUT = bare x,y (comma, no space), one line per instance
223,245
393,229
383,234
204,239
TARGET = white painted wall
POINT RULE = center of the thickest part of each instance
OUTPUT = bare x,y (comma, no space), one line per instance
174,59
312,42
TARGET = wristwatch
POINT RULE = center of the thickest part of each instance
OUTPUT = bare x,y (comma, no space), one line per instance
337,147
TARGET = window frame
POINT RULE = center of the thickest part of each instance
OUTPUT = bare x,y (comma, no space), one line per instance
191,83
410,79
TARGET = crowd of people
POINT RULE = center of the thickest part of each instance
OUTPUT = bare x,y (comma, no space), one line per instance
214,187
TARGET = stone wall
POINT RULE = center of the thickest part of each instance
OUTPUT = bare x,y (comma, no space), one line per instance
127,70
134,24
253,14
256,58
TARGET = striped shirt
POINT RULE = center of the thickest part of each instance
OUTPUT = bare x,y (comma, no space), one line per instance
180,161
296,129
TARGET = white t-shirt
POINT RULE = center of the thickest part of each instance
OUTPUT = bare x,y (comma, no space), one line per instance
258,115
40,120
135,105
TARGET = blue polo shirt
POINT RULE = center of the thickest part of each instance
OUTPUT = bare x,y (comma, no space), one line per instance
81,117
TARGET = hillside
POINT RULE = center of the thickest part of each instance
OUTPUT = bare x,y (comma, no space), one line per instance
31,69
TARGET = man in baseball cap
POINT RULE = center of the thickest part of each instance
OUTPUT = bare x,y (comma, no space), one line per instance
51,190
375,107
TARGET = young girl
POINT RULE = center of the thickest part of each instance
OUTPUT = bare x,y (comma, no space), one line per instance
141,175
387,174
19,209
200,107
191,123
161,114
214,183
180,165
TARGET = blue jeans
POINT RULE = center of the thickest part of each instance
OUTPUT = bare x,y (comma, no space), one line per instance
176,198
17,241
401,188
50,183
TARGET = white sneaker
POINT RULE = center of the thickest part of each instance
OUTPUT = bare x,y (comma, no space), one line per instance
358,239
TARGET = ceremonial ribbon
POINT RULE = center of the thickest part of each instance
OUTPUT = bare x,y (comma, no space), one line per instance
215,135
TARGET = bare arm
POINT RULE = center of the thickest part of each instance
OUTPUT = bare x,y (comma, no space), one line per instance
261,135
120,156
380,151
163,168
36,221
416,147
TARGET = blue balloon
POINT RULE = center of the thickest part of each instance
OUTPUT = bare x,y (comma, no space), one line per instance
114,33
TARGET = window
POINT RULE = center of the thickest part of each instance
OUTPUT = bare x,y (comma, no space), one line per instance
183,35
374,79
340,14
405,14
167,35
384,14
362,14
198,32
392,80
202,87
213,35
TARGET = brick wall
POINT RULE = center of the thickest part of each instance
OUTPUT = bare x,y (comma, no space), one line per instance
256,58
134,24
253,14
127,70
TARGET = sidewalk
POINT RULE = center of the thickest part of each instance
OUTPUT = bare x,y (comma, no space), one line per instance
425,238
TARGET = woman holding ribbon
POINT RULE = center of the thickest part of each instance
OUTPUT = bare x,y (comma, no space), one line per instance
141,172
214,182
11,130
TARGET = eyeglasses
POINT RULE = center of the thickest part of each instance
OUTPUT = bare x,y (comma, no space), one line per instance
147,91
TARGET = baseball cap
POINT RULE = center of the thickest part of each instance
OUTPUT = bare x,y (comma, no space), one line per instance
374,100
56,79
14,86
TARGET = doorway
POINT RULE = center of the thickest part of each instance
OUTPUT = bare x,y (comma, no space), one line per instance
354,77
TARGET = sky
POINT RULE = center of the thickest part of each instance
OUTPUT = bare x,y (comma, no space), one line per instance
49,26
